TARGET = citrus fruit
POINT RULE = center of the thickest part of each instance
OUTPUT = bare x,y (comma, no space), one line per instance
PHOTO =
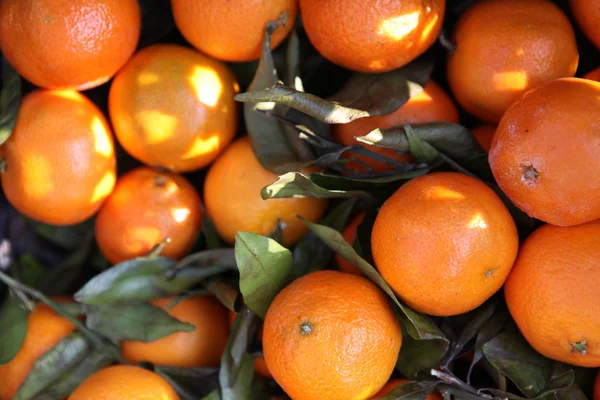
546,152
146,207
342,320
59,162
349,234
45,329
260,366
233,202
124,382
233,30
444,242
431,104
503,48
394,383
587,15
552,293
60,44
484,134
593,75
203,347
367,36
173,107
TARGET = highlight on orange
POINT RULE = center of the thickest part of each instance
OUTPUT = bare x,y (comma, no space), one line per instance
59,162
173,107
431,104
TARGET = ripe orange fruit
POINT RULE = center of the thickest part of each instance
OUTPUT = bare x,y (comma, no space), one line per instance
45,329
444,242
484,134
506,47
173,107
124,382
546,152
587,15
260,367
146,207
552,293
59,44
394,383
593,75
203,347
233,30
60,161
349,234
342,320
233,203
384,38
432,104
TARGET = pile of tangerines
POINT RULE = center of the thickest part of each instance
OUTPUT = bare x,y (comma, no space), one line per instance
441,237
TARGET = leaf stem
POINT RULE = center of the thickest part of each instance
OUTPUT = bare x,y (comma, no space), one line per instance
452,380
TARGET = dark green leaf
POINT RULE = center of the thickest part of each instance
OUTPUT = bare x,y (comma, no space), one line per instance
297,185
293,61
556,388
10,99
422,151
213,241
419,355
191,383
13,320
488,331
55,363
214,395
411,391
224,292
31,270
222,257
335,182
265,268
67,237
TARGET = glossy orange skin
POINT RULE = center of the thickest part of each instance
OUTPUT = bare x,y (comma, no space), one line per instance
533,43
45,329
349,234
587,15
372,35
203,347
146,207
394,383
173,107
444,242
62,44
233,203
352,331
593,75
124,382
233,30
60,158
432,104
260,366
546,152
552,292
484,134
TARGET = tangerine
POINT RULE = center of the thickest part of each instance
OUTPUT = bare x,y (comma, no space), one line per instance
587,15
484,134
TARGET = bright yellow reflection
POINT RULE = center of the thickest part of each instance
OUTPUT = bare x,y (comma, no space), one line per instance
207,85
429,27
37,179
147,78
104,187
441,192
398,27
510,80
202,146
180,214
68,94
477,222
102,143
157,126
140,239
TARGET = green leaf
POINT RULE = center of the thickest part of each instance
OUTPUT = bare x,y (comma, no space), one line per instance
265,268
68,237
142,279
224,292
556,388
55,363
214,395
10,100
410,391
336,182
293,61
297,185
488,331
211,237
137,322
510,354
191,383
13,320
223,257
418,355
31,271
422,151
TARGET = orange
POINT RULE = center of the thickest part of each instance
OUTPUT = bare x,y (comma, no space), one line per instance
484,134
394,383
444,242
61,44
233,30
203,347
368,36
146,207
552,293
593,75
546,152
60,161
233,203
45,329
503,48
431,104
124,382
587,15
260,367
342,320
349,234
173,107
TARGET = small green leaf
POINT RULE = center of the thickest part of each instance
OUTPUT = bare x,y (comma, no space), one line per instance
297,185
418,355
410,391
13,320
10,99
224,292
422,151
55,363
265,268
